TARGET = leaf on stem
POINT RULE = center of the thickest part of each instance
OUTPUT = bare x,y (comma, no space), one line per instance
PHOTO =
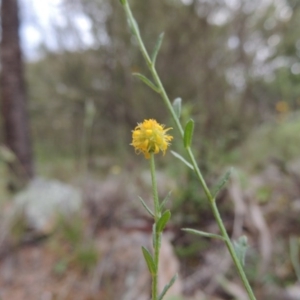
240,247
133,25
157,47
146,207
203,233
164,202
149,260
177,107
122,2
167,287
188,133
163,220
222,182
177,155
146,81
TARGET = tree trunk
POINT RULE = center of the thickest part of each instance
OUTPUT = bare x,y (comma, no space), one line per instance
13,93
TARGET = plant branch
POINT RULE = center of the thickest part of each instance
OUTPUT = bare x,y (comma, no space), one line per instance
207,192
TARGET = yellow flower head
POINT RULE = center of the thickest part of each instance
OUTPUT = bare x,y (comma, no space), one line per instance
150,137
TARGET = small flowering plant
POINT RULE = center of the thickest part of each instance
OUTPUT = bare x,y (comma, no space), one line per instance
149,138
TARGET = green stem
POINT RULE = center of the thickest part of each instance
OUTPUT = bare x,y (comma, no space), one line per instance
157,235
232,251
154,188
190,154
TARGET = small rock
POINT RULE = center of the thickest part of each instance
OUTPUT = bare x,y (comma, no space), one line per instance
43,200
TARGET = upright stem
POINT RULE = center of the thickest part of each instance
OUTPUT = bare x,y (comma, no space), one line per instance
154,188
156,235
208,194
232,251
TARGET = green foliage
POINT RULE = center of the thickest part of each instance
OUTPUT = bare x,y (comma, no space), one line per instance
149,260
222,182
188,133
146,207
177,155
203,234
157,47
167,287
240,247
146,81
162,221
164,202
177,107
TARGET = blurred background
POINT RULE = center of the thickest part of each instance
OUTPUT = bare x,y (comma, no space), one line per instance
71,225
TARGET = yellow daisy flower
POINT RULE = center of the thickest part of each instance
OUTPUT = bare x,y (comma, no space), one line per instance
150,137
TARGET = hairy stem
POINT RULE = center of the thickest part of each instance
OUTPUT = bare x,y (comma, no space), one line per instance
156,235
154,189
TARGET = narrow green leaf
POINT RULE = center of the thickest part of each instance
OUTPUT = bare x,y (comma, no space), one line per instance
167,287
203,233
146,207
157,47
177,107
222,182
164,202
123,2
240,247
133,25
177,155
188,133
147,81
149,260
163,220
